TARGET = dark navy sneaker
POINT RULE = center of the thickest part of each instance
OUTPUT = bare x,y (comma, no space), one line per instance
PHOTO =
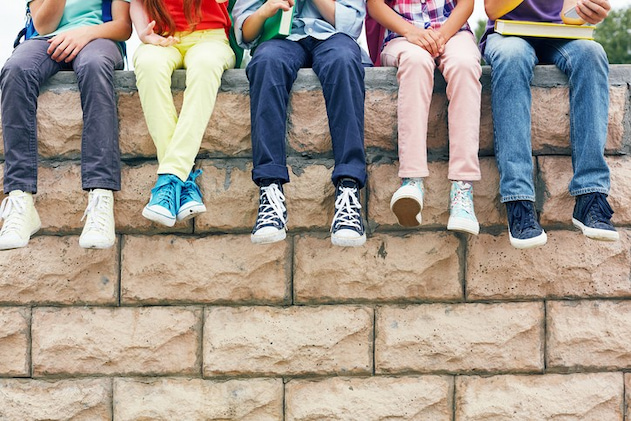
523,228
271,222
347,229
592,215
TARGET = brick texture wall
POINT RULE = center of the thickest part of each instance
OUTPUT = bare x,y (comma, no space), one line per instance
194,322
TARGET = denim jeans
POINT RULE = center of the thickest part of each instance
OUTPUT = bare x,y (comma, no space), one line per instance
20,81
512,61
272,71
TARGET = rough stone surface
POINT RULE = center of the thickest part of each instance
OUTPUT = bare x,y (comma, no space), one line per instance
14,342
460,338
380,271
383,181
133,134
167,270
39,400
380,119
307,123
600,340
310,197
288,341
55,270
370,399
556,173
228,132
569,265
59,128
196,399
593,396
60,201
116,341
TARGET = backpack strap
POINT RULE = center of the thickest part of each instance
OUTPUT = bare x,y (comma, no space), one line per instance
28,31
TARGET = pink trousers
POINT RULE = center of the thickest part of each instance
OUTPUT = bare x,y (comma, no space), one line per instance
460,66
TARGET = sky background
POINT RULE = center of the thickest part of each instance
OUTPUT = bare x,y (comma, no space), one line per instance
12,20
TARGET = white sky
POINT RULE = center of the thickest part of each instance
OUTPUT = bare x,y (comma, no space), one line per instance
12,20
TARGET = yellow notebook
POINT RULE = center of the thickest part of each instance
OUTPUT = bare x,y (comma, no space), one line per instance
543,29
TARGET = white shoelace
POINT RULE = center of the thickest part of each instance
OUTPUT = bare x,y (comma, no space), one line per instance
13,211
347,208
275,208
96,212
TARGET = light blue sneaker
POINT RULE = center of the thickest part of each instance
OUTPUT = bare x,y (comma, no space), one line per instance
165,200
461,214
407,202
191,203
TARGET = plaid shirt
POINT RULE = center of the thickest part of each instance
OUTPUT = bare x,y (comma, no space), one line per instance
423,14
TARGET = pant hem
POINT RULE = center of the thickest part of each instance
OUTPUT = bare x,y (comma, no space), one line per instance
586,190
29,188
101,185
529,198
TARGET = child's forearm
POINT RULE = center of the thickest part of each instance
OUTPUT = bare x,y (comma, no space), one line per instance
495,9
254,23
138,15
326,9
458,17
387,17
47,14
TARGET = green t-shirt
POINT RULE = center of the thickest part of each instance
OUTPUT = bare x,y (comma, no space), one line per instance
79,13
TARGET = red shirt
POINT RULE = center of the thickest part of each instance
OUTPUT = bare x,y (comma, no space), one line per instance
214,15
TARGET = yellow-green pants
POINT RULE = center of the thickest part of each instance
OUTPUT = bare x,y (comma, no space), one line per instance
205,55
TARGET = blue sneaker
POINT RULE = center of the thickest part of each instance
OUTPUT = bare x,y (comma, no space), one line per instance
271,222
347,229
523,228
165,200
461,213
407,202
191,203
592,215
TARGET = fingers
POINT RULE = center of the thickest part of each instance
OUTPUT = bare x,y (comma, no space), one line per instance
60,48
593,11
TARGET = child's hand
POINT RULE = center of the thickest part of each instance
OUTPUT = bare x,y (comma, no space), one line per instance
270,7
593,11
428,39
147,36
66,46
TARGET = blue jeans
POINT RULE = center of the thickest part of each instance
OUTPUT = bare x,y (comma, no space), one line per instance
272,72
512,61
20,81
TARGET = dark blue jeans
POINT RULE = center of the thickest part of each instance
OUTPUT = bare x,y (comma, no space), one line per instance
272,72
22,76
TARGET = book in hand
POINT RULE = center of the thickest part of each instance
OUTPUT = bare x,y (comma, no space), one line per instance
543,29
278,26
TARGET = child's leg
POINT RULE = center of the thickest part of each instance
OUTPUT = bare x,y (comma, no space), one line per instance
416,82
100,153
206,55
460,65
154,66
26,70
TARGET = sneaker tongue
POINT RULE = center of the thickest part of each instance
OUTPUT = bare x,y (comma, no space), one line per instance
347,182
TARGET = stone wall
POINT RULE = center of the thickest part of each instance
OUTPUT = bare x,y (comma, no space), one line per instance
194,322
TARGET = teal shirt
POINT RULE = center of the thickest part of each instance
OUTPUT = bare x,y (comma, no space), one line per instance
78,13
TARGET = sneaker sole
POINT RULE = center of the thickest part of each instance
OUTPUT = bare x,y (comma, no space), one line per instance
270,238
99,246
190,212
596,234
348,242
21,244
529,243
408,211
159,218
463,225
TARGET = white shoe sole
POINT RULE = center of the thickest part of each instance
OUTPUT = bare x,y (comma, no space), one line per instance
269,238
88,244
191,211
596,234
348,242
529,243
463,225
407,206
19,244
157,217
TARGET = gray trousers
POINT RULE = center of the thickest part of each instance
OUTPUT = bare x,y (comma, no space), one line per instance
22,76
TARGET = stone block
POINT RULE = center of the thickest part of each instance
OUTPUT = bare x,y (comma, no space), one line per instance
580,396
77,399
292,341
569,265
310,197
380,271
460,338
59,128
133,134
55,270
370,399
14,342
380,119
197,399
588,335
169,269
307,123
60,201
116,341
383,181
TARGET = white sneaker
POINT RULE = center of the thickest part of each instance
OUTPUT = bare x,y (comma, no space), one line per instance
98,232
407,202
20,220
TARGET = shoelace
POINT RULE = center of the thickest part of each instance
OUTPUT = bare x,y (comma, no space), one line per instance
524,217
13,211
272,207
347,208
167,194
462,199
96,212
190,188
599,209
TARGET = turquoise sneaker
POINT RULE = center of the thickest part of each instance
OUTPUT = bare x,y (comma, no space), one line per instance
461,214
165,200
407,202
191,203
